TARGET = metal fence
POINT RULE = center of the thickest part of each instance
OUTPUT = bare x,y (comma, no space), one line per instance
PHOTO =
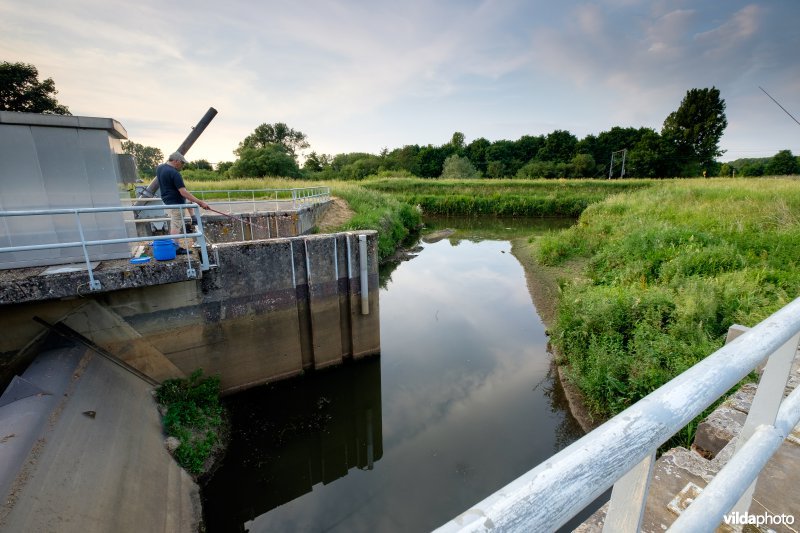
85,244
266,200
622,451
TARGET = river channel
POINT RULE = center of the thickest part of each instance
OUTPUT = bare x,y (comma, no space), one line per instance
461,401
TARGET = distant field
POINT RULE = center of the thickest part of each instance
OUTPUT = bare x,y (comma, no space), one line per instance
509,197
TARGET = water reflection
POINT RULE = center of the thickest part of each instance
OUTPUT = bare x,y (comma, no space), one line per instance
289,436
467,398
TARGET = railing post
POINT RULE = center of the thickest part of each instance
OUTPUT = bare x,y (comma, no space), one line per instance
204,263
94,284
628,498
766,403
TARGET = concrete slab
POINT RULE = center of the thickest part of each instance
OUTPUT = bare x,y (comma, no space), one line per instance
99,463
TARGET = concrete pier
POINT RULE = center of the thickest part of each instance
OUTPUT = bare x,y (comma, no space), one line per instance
267,310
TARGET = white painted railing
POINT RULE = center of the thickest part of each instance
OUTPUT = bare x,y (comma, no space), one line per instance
622,451
266,199
84,244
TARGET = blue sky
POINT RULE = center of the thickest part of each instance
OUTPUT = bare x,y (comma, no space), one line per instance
357,76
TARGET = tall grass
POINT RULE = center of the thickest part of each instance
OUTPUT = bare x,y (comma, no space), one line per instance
392,218
507,197
669,269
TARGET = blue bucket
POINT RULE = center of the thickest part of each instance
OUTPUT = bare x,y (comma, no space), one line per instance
164,250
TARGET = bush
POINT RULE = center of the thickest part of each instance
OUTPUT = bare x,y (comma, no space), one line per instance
193,416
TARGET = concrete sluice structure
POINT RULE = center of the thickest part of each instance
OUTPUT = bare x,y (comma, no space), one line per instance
267,310
79,435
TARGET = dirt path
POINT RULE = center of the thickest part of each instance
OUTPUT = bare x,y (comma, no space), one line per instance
337,215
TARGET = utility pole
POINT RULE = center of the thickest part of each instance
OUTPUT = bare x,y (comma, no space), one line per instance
624,153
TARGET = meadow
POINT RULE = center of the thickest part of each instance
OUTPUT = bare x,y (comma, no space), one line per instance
664,272
505,197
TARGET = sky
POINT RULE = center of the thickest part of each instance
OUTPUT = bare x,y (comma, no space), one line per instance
360,76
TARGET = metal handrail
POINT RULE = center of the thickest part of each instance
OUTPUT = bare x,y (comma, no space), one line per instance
621,452
84,244
298,196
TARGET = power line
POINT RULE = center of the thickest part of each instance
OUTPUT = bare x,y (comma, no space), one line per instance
779,105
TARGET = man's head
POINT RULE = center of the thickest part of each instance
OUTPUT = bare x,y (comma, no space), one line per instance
177,160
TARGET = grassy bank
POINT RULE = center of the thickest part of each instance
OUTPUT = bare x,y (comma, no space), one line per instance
391,217
667,270
509,197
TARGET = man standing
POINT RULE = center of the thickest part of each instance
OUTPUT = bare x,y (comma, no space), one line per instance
173,192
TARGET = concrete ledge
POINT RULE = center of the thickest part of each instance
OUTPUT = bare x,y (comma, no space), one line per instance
28,285
64,121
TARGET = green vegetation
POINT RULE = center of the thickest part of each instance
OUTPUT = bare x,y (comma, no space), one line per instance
21,90
535,198
193,416
667,270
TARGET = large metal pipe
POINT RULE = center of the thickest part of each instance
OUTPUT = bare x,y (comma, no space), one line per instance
151,189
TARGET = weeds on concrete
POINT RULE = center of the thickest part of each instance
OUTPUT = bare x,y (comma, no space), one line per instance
193,415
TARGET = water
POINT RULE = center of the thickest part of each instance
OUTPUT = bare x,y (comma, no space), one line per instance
461,401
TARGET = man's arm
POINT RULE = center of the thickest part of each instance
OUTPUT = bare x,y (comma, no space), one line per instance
192,198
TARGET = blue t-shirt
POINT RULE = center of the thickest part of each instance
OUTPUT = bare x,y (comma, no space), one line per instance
169,181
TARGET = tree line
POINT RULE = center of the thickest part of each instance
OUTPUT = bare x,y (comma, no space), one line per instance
687,145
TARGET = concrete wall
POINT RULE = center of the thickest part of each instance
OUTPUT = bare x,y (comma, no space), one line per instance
270,309
249,226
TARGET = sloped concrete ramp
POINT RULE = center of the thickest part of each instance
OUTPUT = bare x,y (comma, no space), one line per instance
81,449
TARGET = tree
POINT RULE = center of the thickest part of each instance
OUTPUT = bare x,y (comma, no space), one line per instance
783,164
476,152
651,157
501,159
200,164
224,166
459,167
559,146
583,166
147,157
696,127
269,160
21,90
431,159
457,141
278,133
316,162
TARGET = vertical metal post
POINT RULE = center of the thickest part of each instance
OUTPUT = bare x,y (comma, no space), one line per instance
611,166
308,263
291,260
766,403
204,263
94,284
628,498
362,253
335,259
349,260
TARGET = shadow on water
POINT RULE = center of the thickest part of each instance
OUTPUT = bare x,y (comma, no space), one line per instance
462,400
289,436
